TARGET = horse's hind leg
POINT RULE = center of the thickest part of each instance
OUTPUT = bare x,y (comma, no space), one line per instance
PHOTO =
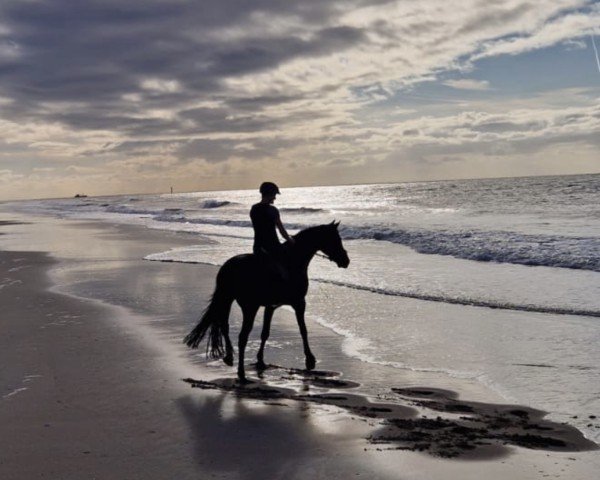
310,360
264,336
249,312
228,358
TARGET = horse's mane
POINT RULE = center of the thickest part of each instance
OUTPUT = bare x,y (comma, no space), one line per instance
309,231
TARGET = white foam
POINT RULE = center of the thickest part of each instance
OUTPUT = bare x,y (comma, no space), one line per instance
14,392
8,282
365,350
218,252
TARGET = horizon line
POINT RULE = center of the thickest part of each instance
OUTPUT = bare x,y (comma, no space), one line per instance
303,186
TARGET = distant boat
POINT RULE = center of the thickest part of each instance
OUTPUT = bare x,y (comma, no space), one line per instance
80,195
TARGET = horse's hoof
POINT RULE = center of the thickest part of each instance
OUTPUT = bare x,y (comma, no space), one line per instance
311,362
228,359
244,381
260,366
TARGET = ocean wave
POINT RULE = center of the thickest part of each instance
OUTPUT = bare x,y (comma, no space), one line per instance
169,257
303,210
491,246
214,203
582,253
472,302
203,221
127,210
225,222
166,213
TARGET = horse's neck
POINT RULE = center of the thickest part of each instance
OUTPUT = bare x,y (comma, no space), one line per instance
306,249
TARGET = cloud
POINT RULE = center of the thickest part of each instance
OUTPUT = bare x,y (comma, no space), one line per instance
468,84
160,85
528,129
267,82
8,177
557,30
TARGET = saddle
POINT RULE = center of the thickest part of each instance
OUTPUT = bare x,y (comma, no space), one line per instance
273,265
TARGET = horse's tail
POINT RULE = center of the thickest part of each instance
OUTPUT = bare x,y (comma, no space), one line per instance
214,318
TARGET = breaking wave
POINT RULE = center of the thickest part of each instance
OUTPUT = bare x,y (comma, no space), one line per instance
303,210
491,246
127,210
582,253
214,203
473,302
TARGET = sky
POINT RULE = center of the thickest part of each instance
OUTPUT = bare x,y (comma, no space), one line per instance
104,96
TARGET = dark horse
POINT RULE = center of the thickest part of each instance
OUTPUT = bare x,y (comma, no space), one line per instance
253,282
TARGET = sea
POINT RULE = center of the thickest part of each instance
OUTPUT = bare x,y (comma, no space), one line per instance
492,280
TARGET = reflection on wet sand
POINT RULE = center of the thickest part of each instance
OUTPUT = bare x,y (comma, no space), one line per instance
405,421
232,436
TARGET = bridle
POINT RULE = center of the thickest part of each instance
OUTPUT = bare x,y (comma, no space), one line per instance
327,257
318,254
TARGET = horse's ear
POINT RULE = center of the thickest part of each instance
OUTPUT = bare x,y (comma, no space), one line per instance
336,224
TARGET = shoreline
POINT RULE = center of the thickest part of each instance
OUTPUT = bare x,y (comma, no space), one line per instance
71,382
103,399
88,396
321,412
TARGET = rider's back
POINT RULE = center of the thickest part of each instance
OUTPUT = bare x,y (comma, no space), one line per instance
264,219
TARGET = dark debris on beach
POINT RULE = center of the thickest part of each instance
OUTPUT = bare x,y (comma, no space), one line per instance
460,428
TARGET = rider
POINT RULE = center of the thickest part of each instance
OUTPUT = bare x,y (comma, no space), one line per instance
265,219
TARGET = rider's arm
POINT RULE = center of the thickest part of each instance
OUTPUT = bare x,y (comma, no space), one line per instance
283,231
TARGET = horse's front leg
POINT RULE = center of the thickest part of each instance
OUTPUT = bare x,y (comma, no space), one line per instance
310,360
264,336
249,312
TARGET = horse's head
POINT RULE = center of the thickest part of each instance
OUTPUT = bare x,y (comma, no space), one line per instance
331,245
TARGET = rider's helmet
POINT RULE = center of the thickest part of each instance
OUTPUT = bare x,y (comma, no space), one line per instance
269,188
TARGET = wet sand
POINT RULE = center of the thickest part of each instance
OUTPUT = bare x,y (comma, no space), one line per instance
109,391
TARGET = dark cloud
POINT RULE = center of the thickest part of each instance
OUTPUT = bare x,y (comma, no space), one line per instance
99,64
501,147
410,132
262,53
97,51
261,102
212,120
502,127
148,69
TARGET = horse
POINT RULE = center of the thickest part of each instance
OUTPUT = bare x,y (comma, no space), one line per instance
252,281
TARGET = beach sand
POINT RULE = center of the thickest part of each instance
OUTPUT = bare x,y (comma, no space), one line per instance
96,384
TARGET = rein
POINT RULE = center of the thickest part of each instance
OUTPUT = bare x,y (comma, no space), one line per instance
318,254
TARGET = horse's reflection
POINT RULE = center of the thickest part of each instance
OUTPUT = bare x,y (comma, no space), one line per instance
254,441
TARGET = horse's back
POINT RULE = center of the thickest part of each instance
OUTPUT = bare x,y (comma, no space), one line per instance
239,261
238,267
250,279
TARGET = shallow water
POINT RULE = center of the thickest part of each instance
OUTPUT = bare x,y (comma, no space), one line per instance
492,280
